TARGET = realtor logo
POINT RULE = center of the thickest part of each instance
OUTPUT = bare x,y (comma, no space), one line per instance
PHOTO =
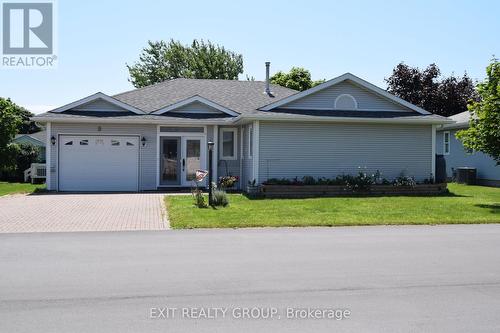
28,29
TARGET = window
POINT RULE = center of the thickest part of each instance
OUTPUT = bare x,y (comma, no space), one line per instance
250,141
228,143
446,143
346,102
84,142
69,143
115,142
130,144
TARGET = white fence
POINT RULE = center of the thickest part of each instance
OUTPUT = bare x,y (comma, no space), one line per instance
36,171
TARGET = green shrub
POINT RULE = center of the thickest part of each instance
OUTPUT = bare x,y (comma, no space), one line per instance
405,181
361,182
199,198
219,198
18,157
308,180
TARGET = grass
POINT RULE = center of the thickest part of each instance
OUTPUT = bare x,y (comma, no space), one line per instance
12,188
464,204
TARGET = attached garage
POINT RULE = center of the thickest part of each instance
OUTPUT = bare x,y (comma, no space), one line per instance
98,163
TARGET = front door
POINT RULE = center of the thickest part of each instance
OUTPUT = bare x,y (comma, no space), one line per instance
180,157
170,161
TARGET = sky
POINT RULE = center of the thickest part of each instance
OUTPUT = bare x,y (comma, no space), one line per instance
367,38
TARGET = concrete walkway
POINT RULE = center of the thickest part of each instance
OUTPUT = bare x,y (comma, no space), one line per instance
82,212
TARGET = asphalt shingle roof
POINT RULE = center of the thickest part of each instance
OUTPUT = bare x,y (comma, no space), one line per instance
243,97
239,96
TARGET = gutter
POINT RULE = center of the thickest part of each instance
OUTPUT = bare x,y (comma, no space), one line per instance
242,119
452,127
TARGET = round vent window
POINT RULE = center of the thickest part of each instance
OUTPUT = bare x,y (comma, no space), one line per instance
346,102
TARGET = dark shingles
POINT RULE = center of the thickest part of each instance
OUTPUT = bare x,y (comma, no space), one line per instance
101,114
239,96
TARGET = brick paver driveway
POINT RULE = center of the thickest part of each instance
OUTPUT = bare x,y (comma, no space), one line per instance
82,212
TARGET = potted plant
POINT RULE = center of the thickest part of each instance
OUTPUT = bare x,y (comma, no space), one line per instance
227,182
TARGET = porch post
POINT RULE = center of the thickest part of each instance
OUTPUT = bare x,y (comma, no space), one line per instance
215,159
433,152
210,168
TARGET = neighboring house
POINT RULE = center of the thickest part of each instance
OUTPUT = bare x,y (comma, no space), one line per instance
456,155
156,137
36,139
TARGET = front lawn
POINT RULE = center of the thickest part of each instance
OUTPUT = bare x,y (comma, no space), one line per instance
12,188
464,204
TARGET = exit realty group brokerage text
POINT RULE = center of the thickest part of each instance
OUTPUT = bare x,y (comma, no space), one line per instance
272,313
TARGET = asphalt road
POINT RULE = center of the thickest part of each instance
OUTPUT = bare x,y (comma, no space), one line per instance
382,279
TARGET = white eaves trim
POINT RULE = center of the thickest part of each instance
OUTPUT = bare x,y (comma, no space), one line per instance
97,96
334,81
192,99
243,120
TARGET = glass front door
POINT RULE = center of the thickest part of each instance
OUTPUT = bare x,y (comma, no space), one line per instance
170,161
180,157
193,159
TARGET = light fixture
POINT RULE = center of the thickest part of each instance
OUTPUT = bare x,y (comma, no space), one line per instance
53,140
143,141
210,145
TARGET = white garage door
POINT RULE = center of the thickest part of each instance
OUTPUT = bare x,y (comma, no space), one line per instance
98,163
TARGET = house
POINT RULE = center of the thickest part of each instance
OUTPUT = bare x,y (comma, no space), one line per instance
36,139
456,155
156,137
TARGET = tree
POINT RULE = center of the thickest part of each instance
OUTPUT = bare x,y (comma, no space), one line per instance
20,157
27,126
161,61
298,78
10,120
483,133
424,88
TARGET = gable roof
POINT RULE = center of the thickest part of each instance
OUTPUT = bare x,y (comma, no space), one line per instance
95,97
238,101
37,138
193,99
237,96
460,120
347,76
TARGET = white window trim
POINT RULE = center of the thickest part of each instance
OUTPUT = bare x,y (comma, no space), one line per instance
444,143
250,136
234,130
48,162
255,161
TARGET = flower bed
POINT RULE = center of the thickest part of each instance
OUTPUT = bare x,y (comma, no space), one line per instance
311,191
